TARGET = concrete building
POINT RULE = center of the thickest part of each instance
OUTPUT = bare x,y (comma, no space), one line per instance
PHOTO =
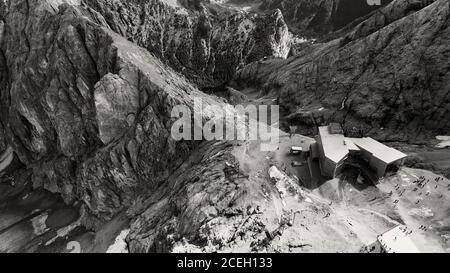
396,240
380,157
334,151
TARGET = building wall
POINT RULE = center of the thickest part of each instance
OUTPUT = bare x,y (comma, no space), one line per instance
379,166
366,155
339,167
327,167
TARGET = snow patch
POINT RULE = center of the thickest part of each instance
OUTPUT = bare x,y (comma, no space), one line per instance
286,185
39,226
422,212
119,245
445,142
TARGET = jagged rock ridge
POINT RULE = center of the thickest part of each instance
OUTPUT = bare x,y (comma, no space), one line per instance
86,110
388,78
88,113
205,44
316,18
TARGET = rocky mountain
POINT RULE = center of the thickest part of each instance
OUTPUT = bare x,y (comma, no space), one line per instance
87,88
314,18
205,42
85,109
387,77
88,114
3,144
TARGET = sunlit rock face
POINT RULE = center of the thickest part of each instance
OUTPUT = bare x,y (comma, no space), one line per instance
87,89
205,42
87,111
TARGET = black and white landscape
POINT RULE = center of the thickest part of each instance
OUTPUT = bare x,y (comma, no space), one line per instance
89,163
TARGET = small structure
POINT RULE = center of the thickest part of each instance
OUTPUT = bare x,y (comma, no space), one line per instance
334,151
296,150
296,164
396,240
380,157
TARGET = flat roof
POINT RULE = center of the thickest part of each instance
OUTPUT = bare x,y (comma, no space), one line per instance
378,150
333,145
351,145
397,241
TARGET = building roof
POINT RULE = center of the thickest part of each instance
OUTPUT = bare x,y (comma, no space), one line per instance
380,151
397,241
351,145
333,145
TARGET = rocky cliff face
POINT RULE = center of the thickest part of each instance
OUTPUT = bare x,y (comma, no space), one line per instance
85,109
89,114
388,78
3,75
316,18
86,94
205,42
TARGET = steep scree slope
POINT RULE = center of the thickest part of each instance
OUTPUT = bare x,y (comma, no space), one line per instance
318,17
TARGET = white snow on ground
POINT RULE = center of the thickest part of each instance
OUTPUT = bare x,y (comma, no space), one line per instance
56,3
39,226
445,142
284,183
172,3
119,245
179,9
423,212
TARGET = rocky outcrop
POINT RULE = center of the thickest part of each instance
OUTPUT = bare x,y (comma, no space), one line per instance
196,194
85,103
205,43
315,18
2,140
3,73
391,83
215,203
88,111
380,18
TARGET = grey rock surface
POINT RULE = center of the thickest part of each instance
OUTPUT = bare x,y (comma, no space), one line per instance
86,93
314,18
3,144
204,42
388,79
88,111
